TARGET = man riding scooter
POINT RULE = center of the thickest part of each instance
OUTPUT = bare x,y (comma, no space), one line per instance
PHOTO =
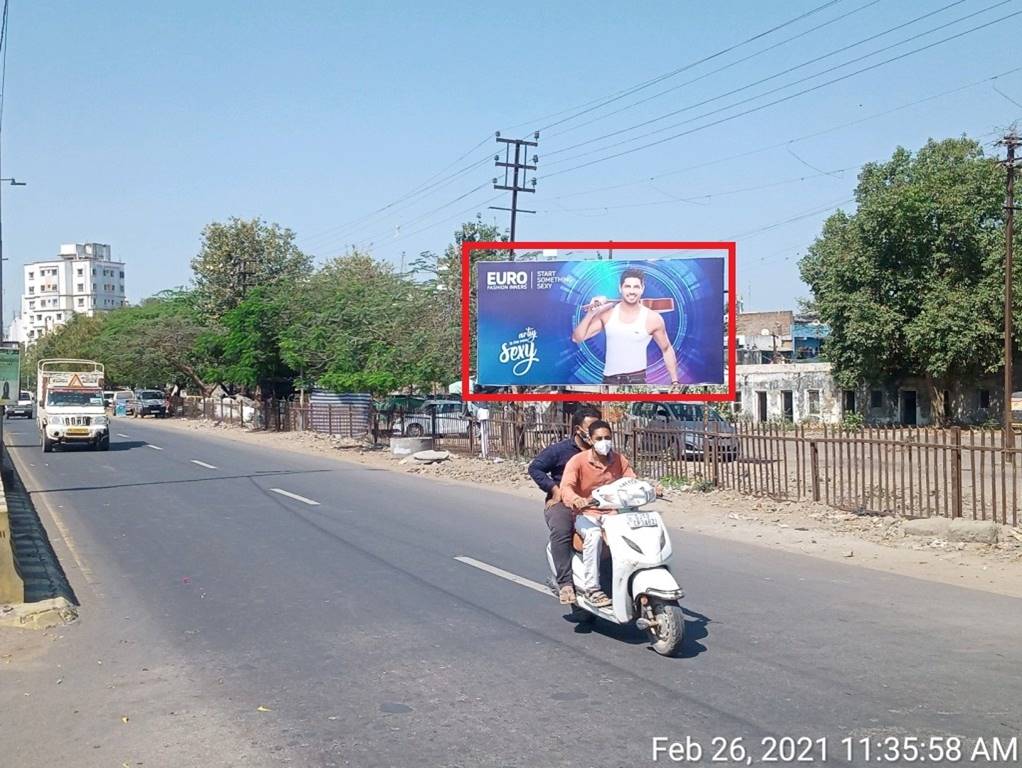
586,471
547,470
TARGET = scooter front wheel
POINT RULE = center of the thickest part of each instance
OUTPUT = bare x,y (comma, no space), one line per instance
668,632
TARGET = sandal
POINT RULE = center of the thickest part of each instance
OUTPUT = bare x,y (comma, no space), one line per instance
567,595
598,598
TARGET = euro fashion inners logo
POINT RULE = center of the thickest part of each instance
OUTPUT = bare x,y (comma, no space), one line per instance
507,281
521,352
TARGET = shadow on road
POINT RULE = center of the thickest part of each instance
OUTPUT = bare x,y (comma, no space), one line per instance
216,478
695,630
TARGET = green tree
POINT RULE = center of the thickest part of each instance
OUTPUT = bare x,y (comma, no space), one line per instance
248,346
912,283
242,254
356,325
441,278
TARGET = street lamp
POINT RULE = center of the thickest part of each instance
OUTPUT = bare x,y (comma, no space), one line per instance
3,327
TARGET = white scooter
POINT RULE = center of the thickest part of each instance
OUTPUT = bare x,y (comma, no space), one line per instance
643,589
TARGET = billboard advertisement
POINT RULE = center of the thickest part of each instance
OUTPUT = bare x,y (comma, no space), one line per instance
10,374
655,322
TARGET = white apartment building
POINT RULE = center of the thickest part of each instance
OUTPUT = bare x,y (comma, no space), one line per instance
82,279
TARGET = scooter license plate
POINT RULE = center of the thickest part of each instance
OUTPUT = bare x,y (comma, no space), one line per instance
641,520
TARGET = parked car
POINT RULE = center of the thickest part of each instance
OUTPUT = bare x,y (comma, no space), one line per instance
683,429
148,402
124,396
453,417
24,406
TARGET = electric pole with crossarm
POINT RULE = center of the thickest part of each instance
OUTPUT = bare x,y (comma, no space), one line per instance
516,175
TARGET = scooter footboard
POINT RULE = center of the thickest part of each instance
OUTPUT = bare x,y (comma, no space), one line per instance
656,582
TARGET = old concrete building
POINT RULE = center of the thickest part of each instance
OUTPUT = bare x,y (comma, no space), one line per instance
802,392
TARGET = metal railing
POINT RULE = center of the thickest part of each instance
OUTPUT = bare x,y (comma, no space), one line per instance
910,471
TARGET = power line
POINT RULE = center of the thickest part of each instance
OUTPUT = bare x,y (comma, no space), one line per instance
429,184
421,217
718,70
767,79
795,140
705,196
3,65
589,106
780,100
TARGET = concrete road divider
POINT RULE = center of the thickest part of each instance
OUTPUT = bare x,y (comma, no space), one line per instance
12,587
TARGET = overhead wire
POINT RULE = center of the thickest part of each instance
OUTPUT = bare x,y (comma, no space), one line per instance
794,140
383,232
780,100
433,182
718,70
761,81
704,196
589,106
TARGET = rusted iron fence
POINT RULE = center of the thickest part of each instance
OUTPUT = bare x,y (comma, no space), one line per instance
915,472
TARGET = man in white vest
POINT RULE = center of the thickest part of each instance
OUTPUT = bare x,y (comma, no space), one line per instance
629,326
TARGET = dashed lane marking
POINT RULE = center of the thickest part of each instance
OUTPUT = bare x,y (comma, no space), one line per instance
295,496
512,577
202,464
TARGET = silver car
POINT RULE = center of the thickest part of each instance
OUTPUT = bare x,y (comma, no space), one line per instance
452,418
684,429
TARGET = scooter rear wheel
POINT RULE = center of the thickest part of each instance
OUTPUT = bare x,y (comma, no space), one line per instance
669,631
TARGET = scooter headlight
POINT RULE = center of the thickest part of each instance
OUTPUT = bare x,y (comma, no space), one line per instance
632,544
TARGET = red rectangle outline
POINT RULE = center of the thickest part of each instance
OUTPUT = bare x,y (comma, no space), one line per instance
732,311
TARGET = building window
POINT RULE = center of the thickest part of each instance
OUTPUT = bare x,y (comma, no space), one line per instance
814,402
848,406
984,398
738,402
31,275
122,275
81,302
81,287
31,305
60,315
876,399
31,289
81,272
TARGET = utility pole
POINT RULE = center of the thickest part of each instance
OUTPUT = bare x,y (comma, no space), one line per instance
515,175
1011,141
243,276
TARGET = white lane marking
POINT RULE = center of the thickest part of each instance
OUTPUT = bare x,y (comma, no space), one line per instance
120,435
295,496
202,464
154,447
513,577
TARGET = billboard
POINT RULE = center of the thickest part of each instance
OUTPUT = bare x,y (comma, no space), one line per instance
10,374
620,322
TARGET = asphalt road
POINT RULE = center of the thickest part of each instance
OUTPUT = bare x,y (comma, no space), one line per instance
233,624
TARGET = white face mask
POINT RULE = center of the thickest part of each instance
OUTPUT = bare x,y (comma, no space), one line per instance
603,447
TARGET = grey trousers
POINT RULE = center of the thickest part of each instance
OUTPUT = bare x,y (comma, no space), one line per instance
561,522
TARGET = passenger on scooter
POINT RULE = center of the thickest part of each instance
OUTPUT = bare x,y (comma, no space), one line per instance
547,470
585,472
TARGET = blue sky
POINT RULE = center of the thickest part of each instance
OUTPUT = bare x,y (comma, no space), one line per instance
136,124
